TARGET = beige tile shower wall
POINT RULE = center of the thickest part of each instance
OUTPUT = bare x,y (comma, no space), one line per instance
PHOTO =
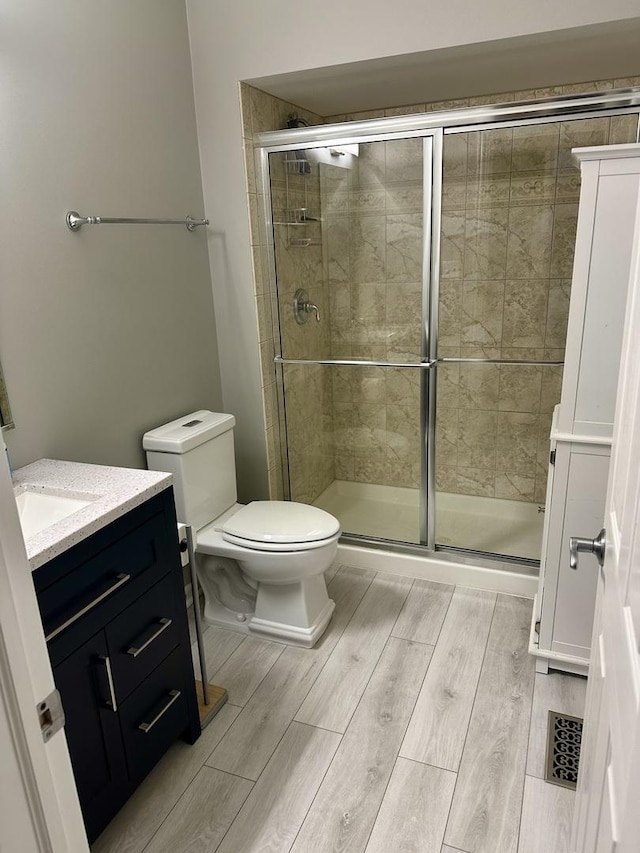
309,411
509,216
372,216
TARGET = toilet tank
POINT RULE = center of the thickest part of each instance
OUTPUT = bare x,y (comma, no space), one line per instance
198,450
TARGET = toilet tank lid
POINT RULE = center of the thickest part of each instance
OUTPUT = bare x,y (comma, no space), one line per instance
187,432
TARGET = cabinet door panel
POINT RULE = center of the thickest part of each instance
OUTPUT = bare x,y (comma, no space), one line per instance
93,733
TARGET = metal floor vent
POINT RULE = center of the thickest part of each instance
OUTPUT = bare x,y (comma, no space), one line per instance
564,737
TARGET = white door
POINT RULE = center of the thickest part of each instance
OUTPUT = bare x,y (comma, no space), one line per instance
39,809
607,815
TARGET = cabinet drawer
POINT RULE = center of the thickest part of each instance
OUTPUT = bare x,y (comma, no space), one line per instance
98,589
142,637
154,715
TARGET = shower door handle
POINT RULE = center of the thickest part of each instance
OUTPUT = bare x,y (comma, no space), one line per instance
359,362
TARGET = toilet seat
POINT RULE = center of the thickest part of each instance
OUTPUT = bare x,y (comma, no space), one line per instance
279,526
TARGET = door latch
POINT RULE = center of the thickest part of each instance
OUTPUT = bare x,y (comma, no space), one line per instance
50,715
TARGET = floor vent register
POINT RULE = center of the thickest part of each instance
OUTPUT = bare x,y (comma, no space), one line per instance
564,738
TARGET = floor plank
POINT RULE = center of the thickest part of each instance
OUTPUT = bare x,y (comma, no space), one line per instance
447,849
203,814
276,807
413,814
219,644
485,812
333,698
423,612
345,808
246,667
547,812
140,817
250,742
331,571
552,692
439,724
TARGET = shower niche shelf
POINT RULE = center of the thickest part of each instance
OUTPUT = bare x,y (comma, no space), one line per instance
299,216
304,242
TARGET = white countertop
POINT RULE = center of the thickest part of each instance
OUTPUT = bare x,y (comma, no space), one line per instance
118,490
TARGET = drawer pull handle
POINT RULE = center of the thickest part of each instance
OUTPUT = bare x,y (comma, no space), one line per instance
122,579
134,651
111,703
146,727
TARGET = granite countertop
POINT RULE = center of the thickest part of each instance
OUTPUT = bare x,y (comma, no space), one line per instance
116,491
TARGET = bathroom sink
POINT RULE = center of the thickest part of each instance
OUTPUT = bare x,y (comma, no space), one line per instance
39,508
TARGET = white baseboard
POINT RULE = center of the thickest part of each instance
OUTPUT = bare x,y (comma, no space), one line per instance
508,581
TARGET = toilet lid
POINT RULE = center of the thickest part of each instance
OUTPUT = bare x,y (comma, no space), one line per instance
280,522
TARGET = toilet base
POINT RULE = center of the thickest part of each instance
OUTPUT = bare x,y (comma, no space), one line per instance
294,635
296,614
218,615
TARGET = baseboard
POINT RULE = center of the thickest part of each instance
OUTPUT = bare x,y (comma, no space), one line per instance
431,568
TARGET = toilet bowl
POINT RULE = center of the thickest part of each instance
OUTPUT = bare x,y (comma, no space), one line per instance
261,566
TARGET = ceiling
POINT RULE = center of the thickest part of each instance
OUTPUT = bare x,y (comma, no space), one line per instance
598,52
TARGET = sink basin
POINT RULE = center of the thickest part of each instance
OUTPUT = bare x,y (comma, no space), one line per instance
39,508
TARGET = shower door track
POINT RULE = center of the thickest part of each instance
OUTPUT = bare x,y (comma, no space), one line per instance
461,120
431,127
453,553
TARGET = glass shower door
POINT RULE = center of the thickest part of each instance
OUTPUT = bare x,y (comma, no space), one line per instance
509,214
348,224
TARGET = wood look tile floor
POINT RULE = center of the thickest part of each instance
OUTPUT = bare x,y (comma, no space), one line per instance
417,724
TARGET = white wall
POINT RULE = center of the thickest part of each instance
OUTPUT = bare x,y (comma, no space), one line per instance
249,39
108,332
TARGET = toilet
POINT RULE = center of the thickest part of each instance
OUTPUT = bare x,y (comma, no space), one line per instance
261,566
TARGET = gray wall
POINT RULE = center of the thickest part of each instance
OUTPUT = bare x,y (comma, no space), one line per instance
111,331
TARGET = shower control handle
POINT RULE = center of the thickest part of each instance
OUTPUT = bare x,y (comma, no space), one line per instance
595,546
302,307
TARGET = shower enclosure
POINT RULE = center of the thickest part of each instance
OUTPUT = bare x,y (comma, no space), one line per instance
423,275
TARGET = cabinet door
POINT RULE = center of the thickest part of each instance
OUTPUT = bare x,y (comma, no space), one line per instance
93,733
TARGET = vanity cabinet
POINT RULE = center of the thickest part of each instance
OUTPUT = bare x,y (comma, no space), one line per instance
114,614
583,421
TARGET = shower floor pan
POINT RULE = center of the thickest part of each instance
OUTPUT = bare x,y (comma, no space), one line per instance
495,525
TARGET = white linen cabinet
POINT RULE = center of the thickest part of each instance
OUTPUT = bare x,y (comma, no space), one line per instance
583,420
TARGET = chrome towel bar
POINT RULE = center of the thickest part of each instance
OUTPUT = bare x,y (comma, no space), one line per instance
75,221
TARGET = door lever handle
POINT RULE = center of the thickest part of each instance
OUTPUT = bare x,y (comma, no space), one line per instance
595,546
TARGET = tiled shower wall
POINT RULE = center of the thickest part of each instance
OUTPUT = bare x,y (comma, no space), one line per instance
372,224
308,393
493,424
509,216
510,207
295,188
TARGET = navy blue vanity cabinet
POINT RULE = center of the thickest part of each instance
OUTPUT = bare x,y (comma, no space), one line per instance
114,614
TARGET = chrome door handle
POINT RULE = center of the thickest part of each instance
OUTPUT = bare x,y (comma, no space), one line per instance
595,546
